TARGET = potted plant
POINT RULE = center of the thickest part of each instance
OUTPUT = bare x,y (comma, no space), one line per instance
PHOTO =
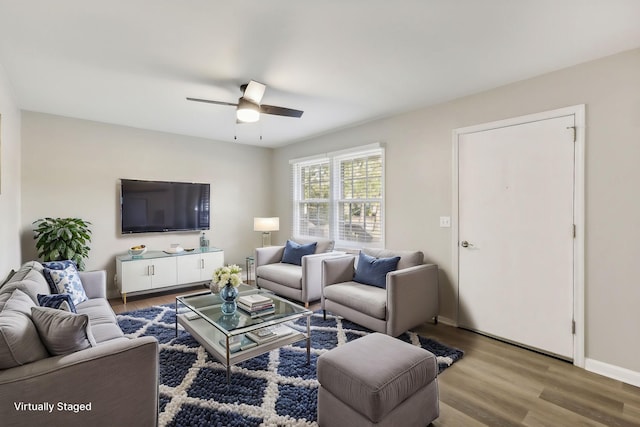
63,238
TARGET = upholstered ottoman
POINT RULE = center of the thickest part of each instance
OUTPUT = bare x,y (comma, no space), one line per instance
377,380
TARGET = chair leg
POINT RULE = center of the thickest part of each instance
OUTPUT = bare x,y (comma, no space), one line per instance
435,320
324,314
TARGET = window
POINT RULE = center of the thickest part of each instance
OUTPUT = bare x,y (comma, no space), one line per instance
312,199
340,196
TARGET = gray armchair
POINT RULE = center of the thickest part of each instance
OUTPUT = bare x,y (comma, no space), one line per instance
410,297
297,282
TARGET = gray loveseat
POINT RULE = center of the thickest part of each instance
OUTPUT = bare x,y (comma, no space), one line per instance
409,296
113,383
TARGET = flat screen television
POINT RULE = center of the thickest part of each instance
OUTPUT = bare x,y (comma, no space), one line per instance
159,206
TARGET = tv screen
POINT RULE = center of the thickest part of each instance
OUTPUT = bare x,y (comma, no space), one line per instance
156,206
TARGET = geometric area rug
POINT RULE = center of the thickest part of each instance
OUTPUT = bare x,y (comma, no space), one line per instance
275,389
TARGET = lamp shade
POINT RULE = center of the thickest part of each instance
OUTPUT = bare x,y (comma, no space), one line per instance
247,111
266,224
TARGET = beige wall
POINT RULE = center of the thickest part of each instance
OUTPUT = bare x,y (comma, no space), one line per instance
72,167
9,179
419,185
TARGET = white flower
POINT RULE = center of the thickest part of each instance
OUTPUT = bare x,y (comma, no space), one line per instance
229,274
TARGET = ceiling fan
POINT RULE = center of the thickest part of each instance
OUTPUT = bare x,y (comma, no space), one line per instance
248,108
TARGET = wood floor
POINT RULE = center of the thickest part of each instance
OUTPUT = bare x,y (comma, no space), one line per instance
498,384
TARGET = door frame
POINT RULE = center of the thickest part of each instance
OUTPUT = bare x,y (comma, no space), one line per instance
578,111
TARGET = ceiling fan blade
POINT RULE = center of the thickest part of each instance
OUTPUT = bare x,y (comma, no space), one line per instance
208,101
280,111
254,91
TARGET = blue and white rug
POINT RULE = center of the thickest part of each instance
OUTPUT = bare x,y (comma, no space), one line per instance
275,389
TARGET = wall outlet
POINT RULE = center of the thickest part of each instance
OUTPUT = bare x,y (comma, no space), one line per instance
445,221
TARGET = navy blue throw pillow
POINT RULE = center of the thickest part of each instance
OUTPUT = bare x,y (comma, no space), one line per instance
373,271
293,252
57,301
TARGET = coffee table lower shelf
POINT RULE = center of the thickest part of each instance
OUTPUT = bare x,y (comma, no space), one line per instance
209,337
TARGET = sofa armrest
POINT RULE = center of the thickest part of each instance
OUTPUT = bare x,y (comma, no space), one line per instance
412,297
312,274
118,378
94,283
268,255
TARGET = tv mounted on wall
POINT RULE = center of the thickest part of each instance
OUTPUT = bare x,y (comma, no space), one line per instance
159,206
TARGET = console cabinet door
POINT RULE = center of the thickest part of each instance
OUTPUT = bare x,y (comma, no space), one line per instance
189,268
136,275
163,272
210,261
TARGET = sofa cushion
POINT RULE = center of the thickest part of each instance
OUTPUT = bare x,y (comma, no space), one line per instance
59,301
105,332
373,271
293,252
29,287
19,339
24,270
103,321
68,281
9,276
365,299
285,274
407,258
98,310
62,332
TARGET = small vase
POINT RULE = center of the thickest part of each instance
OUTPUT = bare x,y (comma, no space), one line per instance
229,294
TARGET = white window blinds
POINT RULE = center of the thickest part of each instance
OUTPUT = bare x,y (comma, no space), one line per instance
340,196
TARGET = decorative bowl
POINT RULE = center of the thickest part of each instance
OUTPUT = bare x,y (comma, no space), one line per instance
137,250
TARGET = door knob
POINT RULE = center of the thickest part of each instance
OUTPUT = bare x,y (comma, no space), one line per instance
464,244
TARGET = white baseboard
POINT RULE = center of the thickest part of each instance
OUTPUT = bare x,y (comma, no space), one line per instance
617,373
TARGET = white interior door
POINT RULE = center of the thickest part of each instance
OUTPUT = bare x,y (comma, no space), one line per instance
515,229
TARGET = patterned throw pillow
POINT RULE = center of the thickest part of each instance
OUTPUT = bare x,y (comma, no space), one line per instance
55,265
59,301
68,281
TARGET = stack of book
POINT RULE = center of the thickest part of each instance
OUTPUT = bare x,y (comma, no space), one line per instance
264,335
256,305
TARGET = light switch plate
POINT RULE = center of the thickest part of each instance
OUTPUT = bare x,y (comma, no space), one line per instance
445,221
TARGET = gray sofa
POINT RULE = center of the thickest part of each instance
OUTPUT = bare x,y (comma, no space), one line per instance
113,382
409,299
297,282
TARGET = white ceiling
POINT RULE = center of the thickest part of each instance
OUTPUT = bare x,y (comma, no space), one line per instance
133,62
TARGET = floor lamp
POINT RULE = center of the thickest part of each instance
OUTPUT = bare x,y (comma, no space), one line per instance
266,225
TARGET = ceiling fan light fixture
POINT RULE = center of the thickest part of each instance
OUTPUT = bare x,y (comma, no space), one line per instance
247,112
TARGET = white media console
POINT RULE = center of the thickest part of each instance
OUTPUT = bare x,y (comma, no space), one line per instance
156,270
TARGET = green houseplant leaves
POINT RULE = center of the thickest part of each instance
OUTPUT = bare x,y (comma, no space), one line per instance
62,238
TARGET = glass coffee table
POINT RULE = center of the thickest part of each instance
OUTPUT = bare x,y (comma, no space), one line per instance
237,337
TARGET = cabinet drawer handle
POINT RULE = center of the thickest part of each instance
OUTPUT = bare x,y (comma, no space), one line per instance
202,264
